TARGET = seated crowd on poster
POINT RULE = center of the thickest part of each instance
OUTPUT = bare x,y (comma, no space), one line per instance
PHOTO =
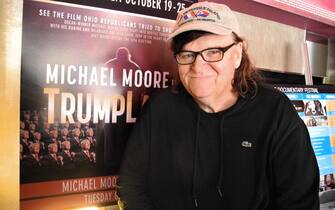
47,146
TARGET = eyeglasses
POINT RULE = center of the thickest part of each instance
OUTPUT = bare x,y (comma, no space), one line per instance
208,55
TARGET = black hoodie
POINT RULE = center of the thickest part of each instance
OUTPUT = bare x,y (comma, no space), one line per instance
264,157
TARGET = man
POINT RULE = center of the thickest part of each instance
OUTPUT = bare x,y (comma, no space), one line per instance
37,139
24,141
32,161
32,129
53,138
67,155
90,137
52,160
36,121
51,163
22,126
46,132
85,159
78,126
221,140
26,118
21,151
30,164
75,141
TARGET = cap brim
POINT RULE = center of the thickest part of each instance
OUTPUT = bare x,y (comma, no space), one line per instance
212,28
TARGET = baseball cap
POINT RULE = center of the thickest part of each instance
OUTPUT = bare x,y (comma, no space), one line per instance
206,16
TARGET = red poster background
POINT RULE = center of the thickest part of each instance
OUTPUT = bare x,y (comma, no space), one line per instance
59,41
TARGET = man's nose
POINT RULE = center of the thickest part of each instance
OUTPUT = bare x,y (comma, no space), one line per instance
198,62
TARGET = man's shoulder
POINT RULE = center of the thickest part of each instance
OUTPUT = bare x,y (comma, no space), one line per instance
276,102
268,90
166,96
61,153
28,157
268,93
47,157
270,100
168,103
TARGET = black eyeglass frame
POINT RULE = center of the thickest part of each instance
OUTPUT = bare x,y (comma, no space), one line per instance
222,49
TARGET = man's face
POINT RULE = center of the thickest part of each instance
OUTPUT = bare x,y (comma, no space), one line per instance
36,148
78,124
76,132
46,125
22,125
25,134
210,80
86,145
65,132
32,127
55,134
90,132
26,116
35,118
66,145
53,149
37,136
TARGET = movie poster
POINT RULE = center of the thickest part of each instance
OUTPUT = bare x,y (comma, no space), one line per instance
86,72
316,107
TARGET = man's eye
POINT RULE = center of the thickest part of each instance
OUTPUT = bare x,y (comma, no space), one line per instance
212,52
186,55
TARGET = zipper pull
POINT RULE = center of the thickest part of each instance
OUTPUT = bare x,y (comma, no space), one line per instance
196,203
219,191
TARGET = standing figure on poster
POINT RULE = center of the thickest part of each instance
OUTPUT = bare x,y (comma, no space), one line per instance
112,137
122,60
220,124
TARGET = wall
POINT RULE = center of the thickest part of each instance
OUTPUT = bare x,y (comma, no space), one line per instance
10,54
273,46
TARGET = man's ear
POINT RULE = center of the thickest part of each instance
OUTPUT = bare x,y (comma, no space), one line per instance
238,54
